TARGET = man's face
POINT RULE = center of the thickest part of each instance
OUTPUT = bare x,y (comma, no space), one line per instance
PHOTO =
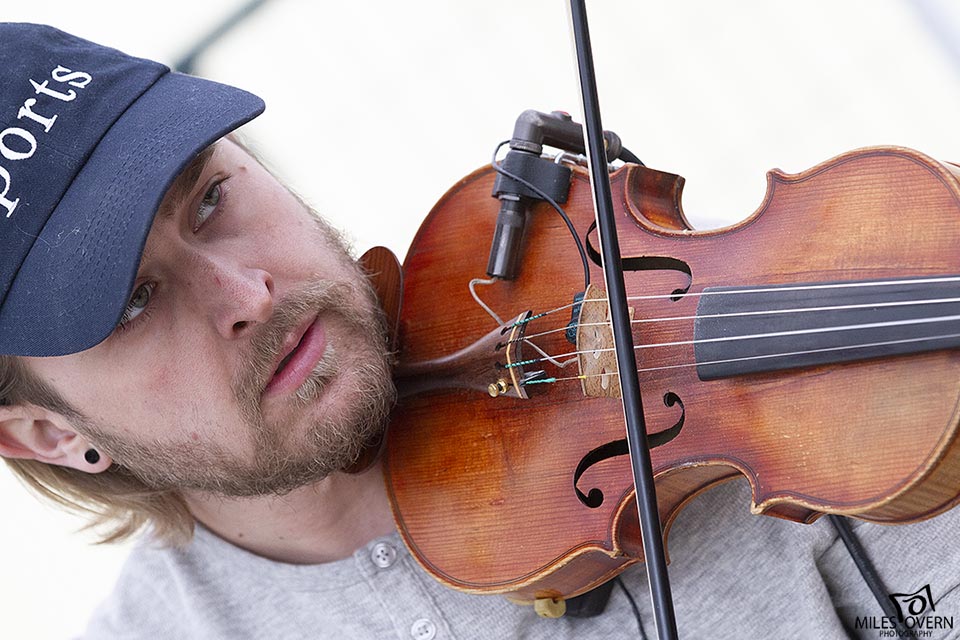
251,356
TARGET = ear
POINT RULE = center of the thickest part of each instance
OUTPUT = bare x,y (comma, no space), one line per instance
34,433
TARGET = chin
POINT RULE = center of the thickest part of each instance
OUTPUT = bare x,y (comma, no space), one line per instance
339,423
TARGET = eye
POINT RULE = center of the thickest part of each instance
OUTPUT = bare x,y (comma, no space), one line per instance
138,303
207,207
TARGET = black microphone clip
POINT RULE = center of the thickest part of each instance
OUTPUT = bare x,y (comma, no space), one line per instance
524,177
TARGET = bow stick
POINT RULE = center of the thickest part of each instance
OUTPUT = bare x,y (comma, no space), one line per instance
650,528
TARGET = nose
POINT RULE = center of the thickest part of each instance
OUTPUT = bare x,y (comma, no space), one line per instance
237,297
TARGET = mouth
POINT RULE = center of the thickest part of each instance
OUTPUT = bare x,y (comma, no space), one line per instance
302,350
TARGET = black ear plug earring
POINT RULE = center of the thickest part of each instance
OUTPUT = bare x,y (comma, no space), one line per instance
91,456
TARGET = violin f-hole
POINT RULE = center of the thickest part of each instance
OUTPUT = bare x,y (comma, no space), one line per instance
646,263
594,498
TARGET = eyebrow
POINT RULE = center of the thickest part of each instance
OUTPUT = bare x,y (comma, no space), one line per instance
184,183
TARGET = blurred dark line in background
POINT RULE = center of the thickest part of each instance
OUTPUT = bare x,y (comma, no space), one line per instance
941,19
188,63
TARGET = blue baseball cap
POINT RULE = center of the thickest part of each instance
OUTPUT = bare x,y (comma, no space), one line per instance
90,141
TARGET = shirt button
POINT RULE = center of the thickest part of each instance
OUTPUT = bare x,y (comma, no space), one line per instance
383,555
423,629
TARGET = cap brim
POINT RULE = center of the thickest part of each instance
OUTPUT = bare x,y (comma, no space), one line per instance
72,289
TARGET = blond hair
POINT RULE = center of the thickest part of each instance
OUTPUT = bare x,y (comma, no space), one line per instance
116,503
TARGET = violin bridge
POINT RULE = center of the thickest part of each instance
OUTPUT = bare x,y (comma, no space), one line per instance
597,357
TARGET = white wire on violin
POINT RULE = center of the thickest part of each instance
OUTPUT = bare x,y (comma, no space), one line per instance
483,305
493,314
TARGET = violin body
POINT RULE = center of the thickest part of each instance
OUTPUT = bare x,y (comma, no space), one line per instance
753,362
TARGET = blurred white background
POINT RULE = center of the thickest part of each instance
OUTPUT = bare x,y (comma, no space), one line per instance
374,109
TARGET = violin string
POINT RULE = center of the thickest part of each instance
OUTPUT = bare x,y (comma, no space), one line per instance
841,307
806,287
772,334
785,354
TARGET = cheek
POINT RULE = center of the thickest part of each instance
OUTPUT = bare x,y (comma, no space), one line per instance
189,384
285,227
142,401
297,252
171,407
161,382
163,400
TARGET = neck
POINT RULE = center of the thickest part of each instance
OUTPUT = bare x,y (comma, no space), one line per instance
321,522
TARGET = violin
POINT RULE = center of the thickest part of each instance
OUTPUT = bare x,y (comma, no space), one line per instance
810,348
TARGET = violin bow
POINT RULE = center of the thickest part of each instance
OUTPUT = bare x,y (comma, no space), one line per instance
650,528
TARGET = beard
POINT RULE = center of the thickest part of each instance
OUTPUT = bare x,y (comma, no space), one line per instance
284,459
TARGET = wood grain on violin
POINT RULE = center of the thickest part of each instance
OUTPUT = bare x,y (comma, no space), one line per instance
810,348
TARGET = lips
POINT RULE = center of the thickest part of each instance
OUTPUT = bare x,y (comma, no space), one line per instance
301,351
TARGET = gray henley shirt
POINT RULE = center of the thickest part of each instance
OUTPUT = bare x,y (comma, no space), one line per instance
733,575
